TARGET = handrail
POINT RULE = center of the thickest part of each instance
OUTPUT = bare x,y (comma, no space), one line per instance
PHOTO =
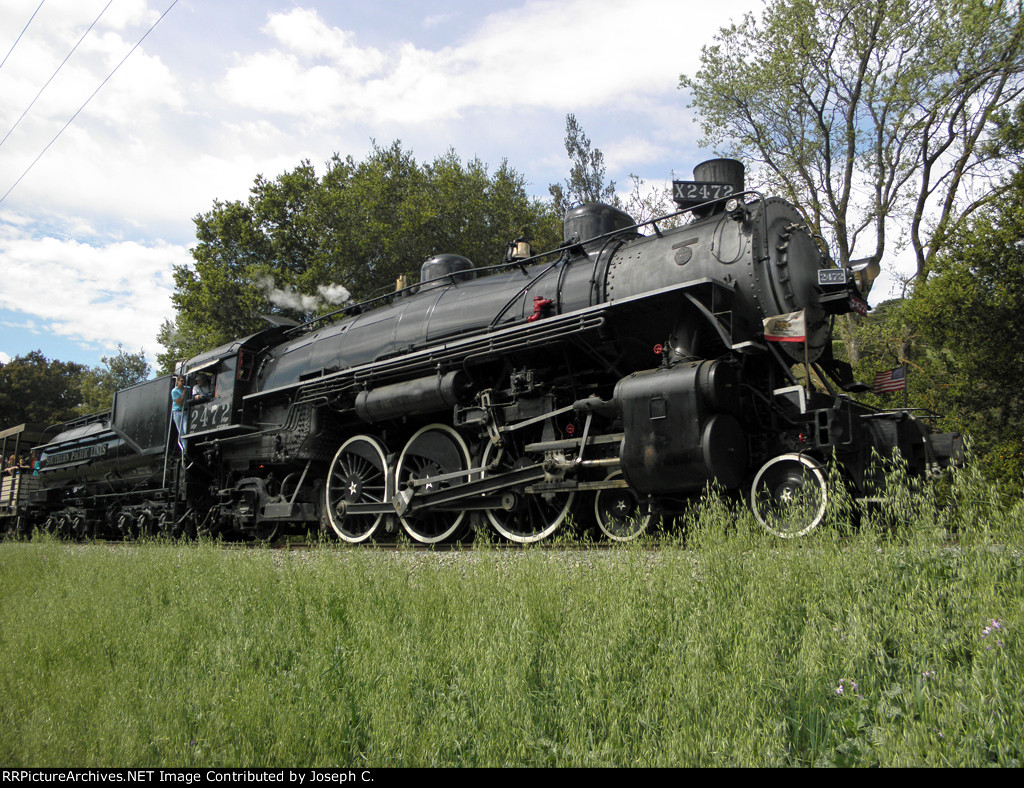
572,244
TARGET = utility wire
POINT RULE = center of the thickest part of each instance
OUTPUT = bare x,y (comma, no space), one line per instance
29,22
104,82
65,60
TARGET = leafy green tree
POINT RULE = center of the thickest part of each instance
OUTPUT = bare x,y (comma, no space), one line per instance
37,390
586,182
870,116
885,340
888,337
116,373
302,243
972,308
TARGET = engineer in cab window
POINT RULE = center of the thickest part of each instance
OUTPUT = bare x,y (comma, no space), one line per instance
203,391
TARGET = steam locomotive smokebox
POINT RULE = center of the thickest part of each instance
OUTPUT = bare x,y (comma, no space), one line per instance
593,219
680,428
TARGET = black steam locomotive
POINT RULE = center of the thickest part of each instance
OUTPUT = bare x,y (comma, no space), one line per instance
614,377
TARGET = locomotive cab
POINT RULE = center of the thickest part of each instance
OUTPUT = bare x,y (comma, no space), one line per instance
221,378
211,398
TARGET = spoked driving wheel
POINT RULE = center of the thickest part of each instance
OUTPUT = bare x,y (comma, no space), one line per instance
535,516
620,513
789,495
434,451
358,474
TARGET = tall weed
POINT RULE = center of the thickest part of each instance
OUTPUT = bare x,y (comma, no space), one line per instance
890,643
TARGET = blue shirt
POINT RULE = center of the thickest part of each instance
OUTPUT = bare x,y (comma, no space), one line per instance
177,398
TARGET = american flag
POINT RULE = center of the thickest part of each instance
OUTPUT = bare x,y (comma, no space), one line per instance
891,380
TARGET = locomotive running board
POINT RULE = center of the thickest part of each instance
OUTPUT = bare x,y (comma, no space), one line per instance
426,361
487,344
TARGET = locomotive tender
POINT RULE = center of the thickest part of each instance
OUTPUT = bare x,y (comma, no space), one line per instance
614,377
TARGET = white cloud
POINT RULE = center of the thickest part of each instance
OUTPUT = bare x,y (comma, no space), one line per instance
139,94
155,151
551,54
110,294
632,150
436,20
125,13
277,82
25,325
304,33
143,88
100,156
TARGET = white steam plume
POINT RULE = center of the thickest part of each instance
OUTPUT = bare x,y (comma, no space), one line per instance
287,298
334,294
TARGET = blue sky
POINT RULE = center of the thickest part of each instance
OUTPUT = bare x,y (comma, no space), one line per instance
223,90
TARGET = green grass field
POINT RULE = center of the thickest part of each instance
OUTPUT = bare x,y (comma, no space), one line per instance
893,645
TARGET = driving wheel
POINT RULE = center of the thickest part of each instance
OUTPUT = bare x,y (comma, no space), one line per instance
358,474
535,516
434,451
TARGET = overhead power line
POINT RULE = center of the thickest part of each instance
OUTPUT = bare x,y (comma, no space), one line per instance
72,118
29,22
65,60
